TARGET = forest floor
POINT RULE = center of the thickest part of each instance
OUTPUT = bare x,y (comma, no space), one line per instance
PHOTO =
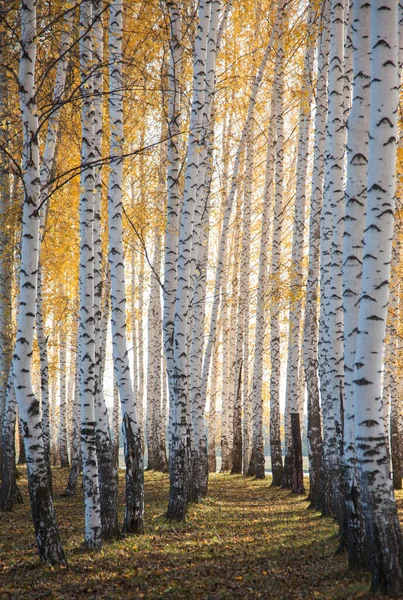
246,540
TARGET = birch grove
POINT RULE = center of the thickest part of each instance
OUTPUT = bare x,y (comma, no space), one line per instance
200,264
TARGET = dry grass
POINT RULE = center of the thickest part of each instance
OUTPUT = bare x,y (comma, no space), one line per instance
246,540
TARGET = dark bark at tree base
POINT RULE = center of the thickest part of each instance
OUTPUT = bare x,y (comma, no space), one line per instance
8,491
64,463
225,457
237,421
286,480
385,542
352,526
199,479
396,445
108,489
297,478
332,499
43,515
74,474
212,461
158,462
134,510
314,435
315,490
276,462
46,452
179,476
22,459
257,464
162,462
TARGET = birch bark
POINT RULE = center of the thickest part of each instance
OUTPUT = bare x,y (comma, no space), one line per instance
293,460
179,469
377,499
134,510
92,509
257,461
275,437
310,339
47,535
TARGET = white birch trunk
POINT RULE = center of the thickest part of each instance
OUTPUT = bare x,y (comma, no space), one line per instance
6,263
173,188
227,215
310,339
64,457
179,469
355,203
331,351
134,510
257,462
377,498
275,439
293,471
92,509
46,174
75,470
200,253
47,535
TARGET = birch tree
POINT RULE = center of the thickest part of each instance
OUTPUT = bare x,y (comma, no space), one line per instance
275,439
43,514
179,467
377,498
134,509
331,344
310,337
257,461
87,376
293,460
355,204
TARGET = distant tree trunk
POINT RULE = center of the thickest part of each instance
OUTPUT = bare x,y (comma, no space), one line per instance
116,421
212,415
391,398
257,462
134,510
377,499
228,210
310,339
75,469
224,321
22,459
140,334
64,457
8,492
293,400
245,295
46,173
154,360
235,350
134,324
225,454
275,436
53,430
6,262
43,515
